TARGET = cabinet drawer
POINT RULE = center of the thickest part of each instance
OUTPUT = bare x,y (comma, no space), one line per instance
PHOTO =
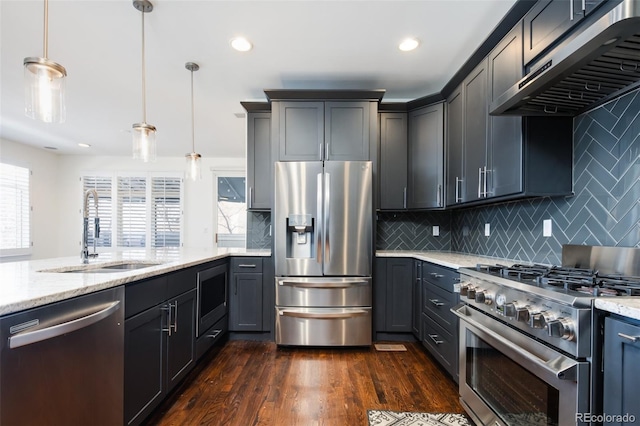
443,277
440,343
323,326
437,304
142,295
246,264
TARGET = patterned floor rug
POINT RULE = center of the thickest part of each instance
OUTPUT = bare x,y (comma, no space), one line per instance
394,418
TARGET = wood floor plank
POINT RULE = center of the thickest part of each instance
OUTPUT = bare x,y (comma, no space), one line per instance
257,383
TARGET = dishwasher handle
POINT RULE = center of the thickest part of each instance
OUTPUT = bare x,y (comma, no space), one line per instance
28,338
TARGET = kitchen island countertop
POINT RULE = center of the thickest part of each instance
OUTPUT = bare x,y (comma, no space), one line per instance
24,285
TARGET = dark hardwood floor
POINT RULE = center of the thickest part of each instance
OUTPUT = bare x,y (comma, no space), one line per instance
256,383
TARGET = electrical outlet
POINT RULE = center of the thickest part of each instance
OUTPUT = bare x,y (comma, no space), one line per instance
546,228
465,231
436,231
487,229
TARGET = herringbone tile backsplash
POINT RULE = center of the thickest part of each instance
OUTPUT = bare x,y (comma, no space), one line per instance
258,230
413,231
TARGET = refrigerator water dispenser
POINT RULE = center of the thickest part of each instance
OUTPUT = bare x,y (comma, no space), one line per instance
300,241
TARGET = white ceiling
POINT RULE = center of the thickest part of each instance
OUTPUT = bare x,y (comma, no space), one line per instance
298,44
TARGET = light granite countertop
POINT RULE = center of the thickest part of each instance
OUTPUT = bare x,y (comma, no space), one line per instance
24,285
625,306
446,259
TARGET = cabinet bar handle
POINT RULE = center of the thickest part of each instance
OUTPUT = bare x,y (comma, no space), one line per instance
246,265
250,197
439,196
458,191
584,7
434,275
484,183
169,319
436,302
435,339
630,338
175,318
404,198
479,182
215,334
571,11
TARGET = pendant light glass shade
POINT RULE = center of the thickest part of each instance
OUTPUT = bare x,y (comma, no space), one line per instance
144,134
144,142
44,83
193,166
193,158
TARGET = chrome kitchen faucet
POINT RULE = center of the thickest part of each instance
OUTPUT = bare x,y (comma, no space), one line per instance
84,255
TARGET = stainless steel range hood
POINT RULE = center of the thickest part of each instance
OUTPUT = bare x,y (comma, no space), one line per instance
598,64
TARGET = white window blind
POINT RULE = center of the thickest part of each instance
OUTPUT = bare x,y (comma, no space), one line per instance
102,185
132,211
15,237
165,211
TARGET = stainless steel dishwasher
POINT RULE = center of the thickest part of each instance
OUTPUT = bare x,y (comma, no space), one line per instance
63,363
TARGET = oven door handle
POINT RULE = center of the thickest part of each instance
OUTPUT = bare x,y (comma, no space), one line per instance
562,367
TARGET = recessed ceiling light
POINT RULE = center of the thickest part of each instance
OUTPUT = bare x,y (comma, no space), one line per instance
408,44
241,44
52,148
84,145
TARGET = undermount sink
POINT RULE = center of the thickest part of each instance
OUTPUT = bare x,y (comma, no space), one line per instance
104,268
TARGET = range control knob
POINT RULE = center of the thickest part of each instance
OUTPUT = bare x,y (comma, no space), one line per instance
464,288
471,292
561,327
510,310
523,314
540,319
483,296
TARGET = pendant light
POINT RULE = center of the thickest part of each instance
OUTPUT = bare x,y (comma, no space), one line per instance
144,134
193,159
44,83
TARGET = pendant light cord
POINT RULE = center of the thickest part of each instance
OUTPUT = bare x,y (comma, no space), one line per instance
193,125
46,29
144,84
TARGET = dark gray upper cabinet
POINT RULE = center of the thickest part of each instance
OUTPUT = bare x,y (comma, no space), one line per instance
475,113
621,369
330,130
299,130
504,147
259,164
455,143
426,157
491,158
346,130
549,20
393,161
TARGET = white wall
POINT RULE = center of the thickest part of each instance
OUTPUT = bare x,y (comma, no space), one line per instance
45,195
56,195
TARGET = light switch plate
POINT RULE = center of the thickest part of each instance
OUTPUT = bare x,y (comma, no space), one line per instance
436,231
487,229
546,228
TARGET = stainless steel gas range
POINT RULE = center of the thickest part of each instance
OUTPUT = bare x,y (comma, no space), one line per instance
530,343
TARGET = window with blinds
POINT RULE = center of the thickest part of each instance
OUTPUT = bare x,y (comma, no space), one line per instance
132,211
102,185
165,211
15,229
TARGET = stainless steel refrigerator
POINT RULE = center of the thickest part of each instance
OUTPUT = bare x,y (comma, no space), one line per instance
323,250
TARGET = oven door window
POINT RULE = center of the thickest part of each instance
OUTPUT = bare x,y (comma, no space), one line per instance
515,394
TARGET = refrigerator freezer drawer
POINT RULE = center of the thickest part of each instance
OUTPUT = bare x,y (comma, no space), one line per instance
323,326
323,292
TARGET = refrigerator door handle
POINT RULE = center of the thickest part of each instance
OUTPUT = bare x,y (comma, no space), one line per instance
319,221
327,215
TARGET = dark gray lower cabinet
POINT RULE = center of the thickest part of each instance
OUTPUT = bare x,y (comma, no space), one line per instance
160,315
621,369
251,294
393,284
416,302
439,325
